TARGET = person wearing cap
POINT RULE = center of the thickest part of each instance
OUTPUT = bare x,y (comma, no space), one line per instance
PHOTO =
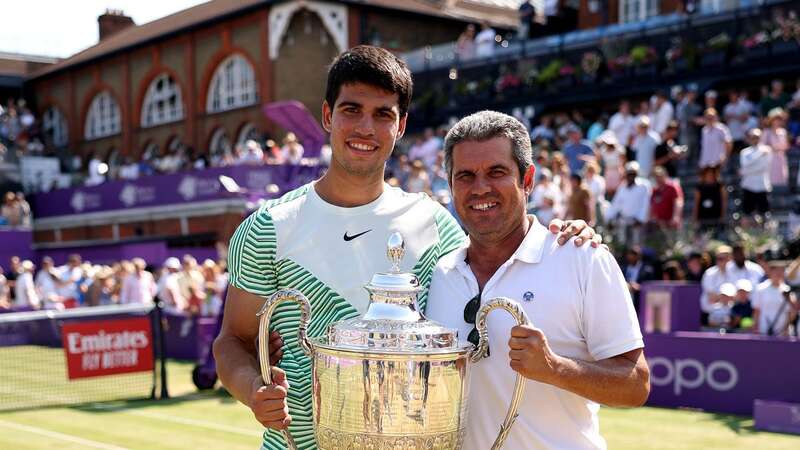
168,289
777,138
576,152
773,303
644,146
661,113
630,206
713,278
666,202
292,150
742,309
25,289
720,315
755,162
716,142
612,154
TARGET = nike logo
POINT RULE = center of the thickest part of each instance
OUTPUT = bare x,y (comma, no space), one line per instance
350,238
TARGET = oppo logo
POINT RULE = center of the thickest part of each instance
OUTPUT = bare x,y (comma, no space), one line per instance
691,374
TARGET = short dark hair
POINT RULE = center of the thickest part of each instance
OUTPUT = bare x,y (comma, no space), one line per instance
374,66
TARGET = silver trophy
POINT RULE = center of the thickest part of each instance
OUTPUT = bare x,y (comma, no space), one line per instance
390,379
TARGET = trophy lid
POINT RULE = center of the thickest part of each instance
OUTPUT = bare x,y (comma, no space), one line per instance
393,321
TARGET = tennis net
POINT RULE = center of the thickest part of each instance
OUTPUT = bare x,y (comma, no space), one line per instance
81,355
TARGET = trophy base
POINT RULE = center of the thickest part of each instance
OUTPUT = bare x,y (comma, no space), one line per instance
328,439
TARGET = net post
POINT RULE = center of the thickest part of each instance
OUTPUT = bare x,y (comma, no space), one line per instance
153,326
162,349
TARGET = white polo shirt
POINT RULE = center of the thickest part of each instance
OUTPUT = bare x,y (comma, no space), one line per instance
578,297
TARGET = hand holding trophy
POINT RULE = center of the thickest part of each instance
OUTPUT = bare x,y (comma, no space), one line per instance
391,378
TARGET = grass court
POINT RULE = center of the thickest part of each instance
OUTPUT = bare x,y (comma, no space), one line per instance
213,420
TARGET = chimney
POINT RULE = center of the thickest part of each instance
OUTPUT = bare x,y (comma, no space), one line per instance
112,22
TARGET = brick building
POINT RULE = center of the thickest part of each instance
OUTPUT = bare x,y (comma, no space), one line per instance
199,77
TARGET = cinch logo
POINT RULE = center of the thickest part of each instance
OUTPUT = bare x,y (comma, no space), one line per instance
691,374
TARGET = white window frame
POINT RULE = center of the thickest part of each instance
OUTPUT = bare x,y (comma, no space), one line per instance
103,118
637,10
54,124
247,132
163,102
232,86
220,143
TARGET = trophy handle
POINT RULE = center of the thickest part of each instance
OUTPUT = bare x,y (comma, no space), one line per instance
284,295
481,350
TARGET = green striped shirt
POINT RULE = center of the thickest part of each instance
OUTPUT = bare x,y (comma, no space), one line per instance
329,253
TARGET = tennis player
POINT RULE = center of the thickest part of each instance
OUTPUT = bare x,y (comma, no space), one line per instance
328,238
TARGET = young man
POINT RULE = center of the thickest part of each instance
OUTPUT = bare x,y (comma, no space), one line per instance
327,239
583,347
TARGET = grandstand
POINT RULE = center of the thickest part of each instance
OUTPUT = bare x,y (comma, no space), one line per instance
143,153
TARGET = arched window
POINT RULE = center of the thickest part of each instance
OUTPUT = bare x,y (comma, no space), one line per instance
220,143
55,128
162,102
103,118
232,86
249,131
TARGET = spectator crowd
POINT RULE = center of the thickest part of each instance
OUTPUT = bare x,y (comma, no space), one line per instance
182,285
626,173
15,211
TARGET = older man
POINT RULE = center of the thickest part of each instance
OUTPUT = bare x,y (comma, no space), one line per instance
584,346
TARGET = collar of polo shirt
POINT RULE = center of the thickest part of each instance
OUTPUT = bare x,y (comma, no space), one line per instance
529,251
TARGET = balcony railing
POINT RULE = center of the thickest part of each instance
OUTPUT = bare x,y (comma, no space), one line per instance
708,13
605,64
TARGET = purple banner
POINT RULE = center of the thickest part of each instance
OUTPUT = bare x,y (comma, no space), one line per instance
667,306
159,190
15,243
721,373
293,116
780,417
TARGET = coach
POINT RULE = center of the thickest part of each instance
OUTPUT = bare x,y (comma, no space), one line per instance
584,347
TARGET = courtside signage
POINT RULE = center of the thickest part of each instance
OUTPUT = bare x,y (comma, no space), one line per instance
108,347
